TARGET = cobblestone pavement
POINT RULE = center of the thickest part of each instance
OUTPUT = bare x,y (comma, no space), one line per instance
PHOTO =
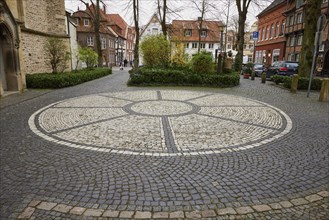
102,150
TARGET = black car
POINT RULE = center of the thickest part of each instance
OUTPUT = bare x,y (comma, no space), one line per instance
258,69
285,68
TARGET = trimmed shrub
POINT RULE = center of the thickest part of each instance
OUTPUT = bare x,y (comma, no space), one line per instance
277,79
152,77
156,51
60,80
303,83
202,63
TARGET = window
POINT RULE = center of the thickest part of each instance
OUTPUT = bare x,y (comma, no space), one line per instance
263,34
245,46
276,55
277,29
86,22
194,45
103,43
90,41
251,37
283,27
290,57
300,39
299,3
188,33
229,38
211,46
297,57
203,33
291,20
229,46
249,58
187,45
299,18
155,31
202,45
76,21
250,46
268,32
272,31
292,41
321,48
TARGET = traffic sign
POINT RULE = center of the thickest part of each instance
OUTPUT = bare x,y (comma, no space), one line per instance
255,35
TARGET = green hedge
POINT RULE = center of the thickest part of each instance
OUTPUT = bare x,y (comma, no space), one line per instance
60,80
147,77
302,82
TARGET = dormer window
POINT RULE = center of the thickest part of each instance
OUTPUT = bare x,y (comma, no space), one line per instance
188,33
85,22
204,33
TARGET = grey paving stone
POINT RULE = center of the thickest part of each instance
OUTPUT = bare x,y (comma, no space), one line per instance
110,214
46,205
300,201
261,208
324,193
27,213
313,198
208,213
142,215
162,215
126,214
93,212
286,204
176,214
226,211
77,210
244,210
193,214
34,203
62,208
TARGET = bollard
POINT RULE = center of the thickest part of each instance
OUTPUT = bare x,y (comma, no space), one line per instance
324,90
294,83
263,77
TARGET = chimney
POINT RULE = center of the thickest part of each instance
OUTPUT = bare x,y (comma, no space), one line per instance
104,8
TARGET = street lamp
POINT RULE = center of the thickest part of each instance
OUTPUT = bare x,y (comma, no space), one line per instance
220,58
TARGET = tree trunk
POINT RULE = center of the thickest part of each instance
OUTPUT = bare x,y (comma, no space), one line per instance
136,18
312,9
240,41
97,35
162,16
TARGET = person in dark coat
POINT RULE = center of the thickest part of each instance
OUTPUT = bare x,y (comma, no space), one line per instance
125,62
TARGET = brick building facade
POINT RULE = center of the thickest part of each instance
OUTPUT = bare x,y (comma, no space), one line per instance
271,42
25,27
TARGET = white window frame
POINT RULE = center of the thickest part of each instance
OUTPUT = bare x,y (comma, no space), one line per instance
194,45
86,22
277,32
204,33
210,45
299,18
187,45
188,33
202,45
299,39
275,53
292,40
155,31
103,43
90,41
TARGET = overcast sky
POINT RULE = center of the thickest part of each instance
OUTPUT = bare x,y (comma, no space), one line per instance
185,7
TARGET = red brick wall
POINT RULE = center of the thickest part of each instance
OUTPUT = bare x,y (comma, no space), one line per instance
274,41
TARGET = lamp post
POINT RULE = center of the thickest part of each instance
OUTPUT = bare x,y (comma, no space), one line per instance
219,63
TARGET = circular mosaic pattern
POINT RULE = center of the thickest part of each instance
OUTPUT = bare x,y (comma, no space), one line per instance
161,123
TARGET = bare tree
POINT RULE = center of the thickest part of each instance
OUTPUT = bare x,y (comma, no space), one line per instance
162,12
95,14
136,20
203,6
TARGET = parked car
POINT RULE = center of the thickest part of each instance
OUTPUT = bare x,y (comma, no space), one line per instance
258,69
285,68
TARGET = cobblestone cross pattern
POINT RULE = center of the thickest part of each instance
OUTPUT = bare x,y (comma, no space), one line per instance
161,123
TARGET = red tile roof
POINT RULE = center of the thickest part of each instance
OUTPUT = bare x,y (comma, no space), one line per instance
178,27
